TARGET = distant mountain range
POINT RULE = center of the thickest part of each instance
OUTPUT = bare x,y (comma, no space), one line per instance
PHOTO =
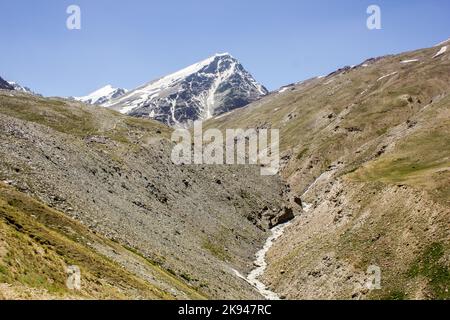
103,95
5,85
201,91
206,89
18,87
11,85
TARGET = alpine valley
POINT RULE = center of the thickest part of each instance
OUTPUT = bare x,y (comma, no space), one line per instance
364,182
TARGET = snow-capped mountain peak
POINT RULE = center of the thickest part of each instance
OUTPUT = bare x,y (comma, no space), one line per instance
205,89
5,85
102,95
183,73
18,87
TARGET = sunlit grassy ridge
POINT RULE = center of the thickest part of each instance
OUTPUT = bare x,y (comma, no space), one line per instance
77,119
39,243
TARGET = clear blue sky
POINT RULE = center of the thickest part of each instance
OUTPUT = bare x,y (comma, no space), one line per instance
127,43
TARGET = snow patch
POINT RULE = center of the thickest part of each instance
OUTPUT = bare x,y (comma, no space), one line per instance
223,115
441,52
409,61
210,99
388,75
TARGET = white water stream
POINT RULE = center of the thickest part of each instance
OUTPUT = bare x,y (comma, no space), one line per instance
261,263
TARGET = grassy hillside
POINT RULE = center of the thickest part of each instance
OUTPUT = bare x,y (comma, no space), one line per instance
185,227
39,243
365,148
370,145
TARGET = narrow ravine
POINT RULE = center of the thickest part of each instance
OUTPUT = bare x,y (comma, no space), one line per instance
261,263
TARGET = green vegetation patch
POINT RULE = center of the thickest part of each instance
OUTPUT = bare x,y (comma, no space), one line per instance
431,265
216,250
41,243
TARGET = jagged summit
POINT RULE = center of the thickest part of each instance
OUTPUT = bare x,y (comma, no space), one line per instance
18,87
5,84
205,89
